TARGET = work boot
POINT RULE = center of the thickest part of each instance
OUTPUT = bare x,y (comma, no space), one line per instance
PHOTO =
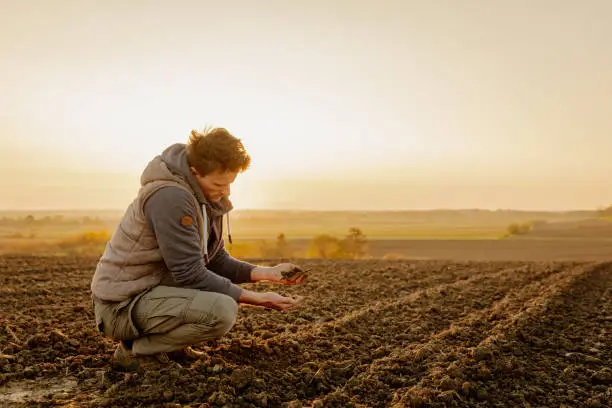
186,354
125,360
194,354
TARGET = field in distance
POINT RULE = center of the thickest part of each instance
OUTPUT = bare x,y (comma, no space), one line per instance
434,234
252,224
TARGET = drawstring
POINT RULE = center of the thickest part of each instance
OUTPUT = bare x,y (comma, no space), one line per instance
229,230
205,232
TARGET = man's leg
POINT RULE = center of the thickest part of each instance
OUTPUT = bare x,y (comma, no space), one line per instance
172,318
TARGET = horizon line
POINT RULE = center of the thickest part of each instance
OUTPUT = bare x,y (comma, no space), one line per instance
436,209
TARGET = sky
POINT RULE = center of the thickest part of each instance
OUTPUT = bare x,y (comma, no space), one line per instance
367,105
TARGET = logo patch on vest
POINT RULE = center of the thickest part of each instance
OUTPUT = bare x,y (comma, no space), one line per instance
187,221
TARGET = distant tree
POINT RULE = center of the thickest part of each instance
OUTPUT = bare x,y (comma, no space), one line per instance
519,229
29,219
283,247
277,249
324,246
354,245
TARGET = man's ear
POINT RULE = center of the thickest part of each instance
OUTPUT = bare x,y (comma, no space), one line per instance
194,171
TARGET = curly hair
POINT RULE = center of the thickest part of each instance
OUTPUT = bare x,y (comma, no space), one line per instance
215,149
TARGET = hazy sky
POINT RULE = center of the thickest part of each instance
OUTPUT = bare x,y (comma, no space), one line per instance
342,104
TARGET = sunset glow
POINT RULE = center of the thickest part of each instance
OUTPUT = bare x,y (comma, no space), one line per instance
366,105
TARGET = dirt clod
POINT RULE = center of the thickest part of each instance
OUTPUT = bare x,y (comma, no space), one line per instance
293,273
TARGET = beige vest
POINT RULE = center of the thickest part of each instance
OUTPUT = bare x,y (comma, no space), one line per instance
132,261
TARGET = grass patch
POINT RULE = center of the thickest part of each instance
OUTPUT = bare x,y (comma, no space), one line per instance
80,243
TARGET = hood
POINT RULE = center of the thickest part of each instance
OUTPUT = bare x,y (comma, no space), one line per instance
172,165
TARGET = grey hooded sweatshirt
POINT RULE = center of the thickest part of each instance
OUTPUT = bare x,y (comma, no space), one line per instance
169,235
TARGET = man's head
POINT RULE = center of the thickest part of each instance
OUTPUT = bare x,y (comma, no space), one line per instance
215,158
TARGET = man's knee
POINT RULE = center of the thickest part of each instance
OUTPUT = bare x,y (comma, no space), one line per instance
225,311
215,312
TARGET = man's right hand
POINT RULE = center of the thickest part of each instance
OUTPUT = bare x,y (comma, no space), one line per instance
270,300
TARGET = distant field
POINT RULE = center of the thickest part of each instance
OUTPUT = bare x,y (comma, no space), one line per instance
458,235
436,224
477,249
264,224
600,228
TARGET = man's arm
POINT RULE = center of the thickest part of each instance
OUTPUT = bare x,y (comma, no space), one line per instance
180,244
225,265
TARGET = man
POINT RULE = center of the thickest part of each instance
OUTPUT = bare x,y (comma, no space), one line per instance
165,281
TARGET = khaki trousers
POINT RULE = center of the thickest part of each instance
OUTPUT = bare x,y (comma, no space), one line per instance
166,318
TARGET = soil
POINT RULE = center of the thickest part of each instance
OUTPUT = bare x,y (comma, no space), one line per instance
369,334
293,273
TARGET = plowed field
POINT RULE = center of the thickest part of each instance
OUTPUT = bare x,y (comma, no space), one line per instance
369,334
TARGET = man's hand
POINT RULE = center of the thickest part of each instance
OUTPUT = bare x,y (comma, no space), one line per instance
285,273
270,300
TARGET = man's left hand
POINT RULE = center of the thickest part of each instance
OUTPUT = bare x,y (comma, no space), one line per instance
285,274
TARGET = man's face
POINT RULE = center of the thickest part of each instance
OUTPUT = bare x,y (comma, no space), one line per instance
215,185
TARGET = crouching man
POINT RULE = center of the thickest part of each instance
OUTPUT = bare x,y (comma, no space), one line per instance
165,281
